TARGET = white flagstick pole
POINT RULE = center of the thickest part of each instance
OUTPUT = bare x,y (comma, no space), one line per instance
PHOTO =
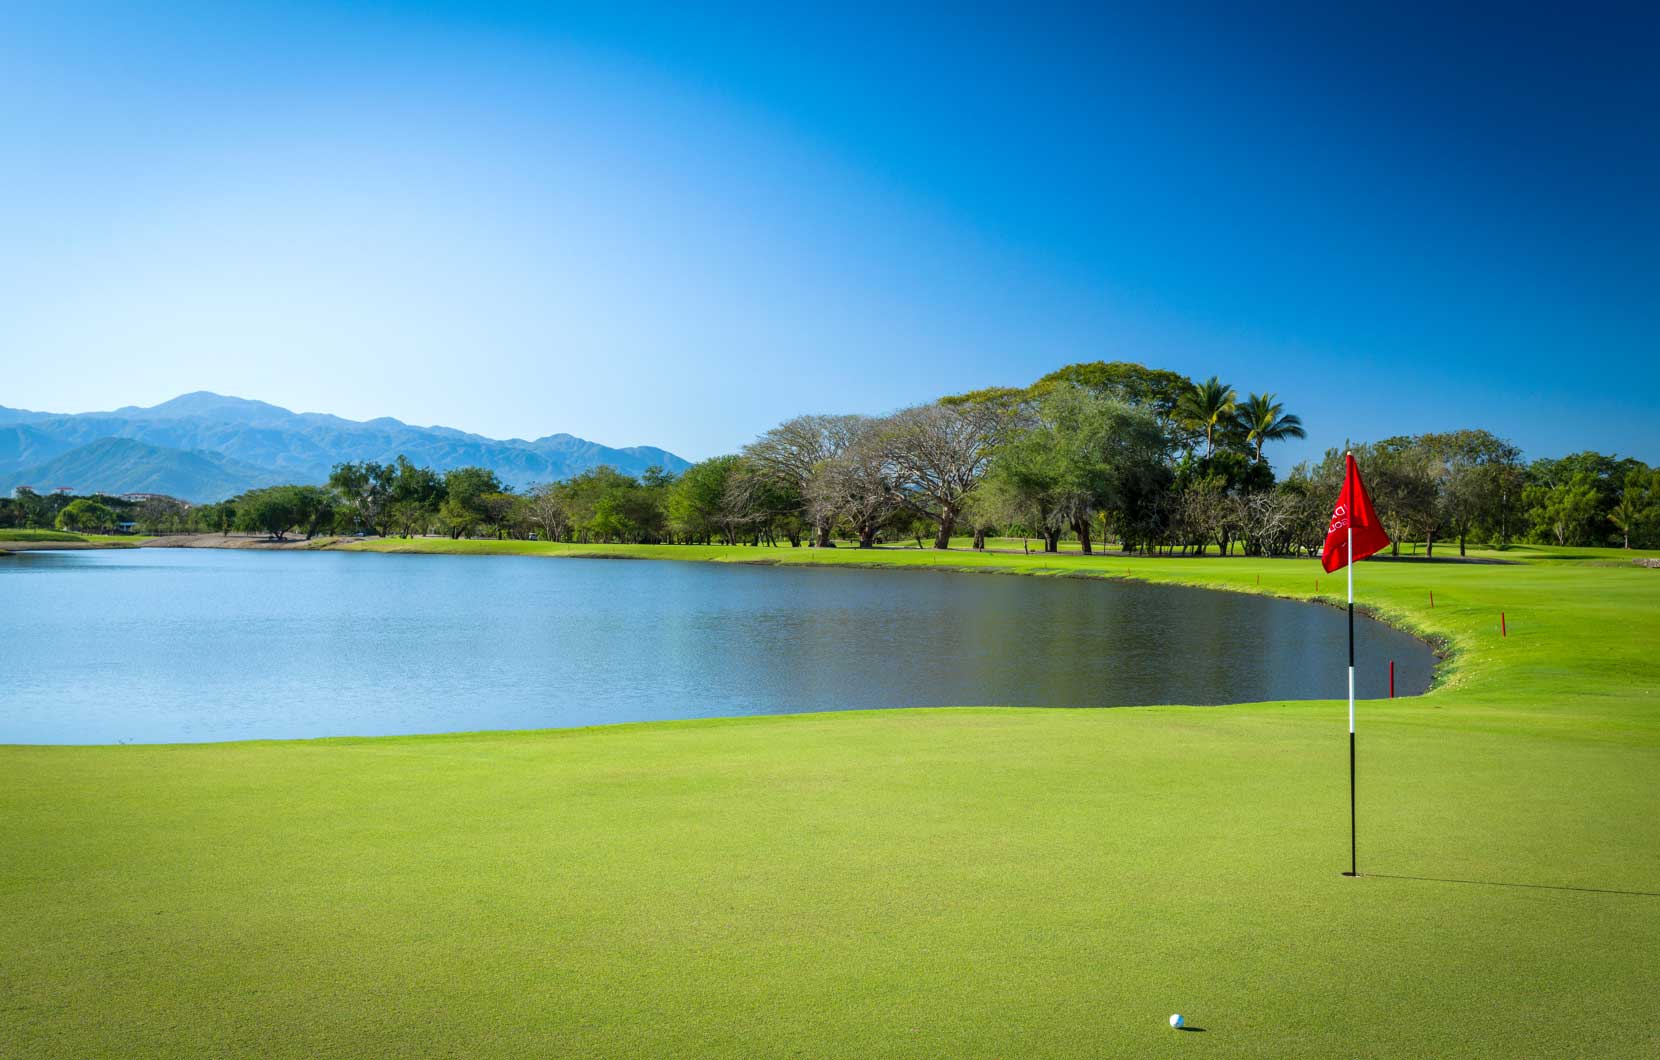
1353,868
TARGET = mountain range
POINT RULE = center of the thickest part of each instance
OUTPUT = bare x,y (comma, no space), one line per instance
204,447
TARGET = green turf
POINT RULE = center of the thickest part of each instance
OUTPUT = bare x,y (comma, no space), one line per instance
38,535
115,540
963,882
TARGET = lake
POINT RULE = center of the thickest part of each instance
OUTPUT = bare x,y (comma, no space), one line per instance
175,645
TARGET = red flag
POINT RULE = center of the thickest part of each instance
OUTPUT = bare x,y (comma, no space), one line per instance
1353,511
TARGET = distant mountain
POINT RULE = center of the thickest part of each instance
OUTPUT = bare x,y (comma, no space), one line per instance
122,465
264,443
21,445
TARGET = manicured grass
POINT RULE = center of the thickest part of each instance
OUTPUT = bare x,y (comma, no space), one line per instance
961,882
38,535
118,540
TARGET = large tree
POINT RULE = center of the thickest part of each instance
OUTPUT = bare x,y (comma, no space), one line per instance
1081,456
84,513
1027,483
1636,515
274,510
698,505
858,485
546,508
366,489
465,490
938,454
414,497
314,509
1475,473
766,505
1566,511
792,452
1136,385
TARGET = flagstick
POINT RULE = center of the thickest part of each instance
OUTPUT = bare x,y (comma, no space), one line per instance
1354,869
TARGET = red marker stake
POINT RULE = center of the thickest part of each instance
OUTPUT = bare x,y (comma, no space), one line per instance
1502,631
1432,598
1391,678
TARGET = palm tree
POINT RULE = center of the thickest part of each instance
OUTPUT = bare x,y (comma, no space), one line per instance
1207,407
1264,420
1624,516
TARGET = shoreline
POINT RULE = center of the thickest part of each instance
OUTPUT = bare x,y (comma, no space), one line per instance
62,546
1266,576
1447,649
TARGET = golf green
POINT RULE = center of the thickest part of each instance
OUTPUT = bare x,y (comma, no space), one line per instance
977,881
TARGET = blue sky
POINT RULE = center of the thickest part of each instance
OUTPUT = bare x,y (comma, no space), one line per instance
661,226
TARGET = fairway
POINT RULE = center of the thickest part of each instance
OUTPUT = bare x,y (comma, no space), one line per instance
982,881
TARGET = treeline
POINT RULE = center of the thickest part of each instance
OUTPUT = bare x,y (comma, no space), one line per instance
1144,459
98,514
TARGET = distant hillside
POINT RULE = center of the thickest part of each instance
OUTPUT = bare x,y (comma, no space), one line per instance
22,445
259,440
122,465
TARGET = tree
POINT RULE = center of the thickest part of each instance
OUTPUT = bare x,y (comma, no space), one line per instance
1626,516
1474,473
1205,511
32,508
1262,419
1400,475
858,484
791,453
1637,513
1605,475
413,498
1208,408
633,511
366,489
1028,479
765,504
938,454
1155,390
275,510
464,491
655,478
609,522
160,515
314,508
1208,496
697,504
86,514
1567,510
547,511
497,510
1269,520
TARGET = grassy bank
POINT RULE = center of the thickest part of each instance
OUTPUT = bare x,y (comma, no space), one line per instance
38,535
50,538
972,882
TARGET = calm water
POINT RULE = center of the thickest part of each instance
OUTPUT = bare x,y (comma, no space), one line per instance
164,645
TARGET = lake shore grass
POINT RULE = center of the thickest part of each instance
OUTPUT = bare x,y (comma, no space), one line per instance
17,540
977,881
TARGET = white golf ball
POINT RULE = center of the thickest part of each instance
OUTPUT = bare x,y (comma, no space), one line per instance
1176,1021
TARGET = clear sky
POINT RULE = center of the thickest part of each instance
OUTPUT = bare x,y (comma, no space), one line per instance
676,228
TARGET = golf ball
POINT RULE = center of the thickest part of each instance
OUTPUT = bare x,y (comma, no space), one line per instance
1176,1021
